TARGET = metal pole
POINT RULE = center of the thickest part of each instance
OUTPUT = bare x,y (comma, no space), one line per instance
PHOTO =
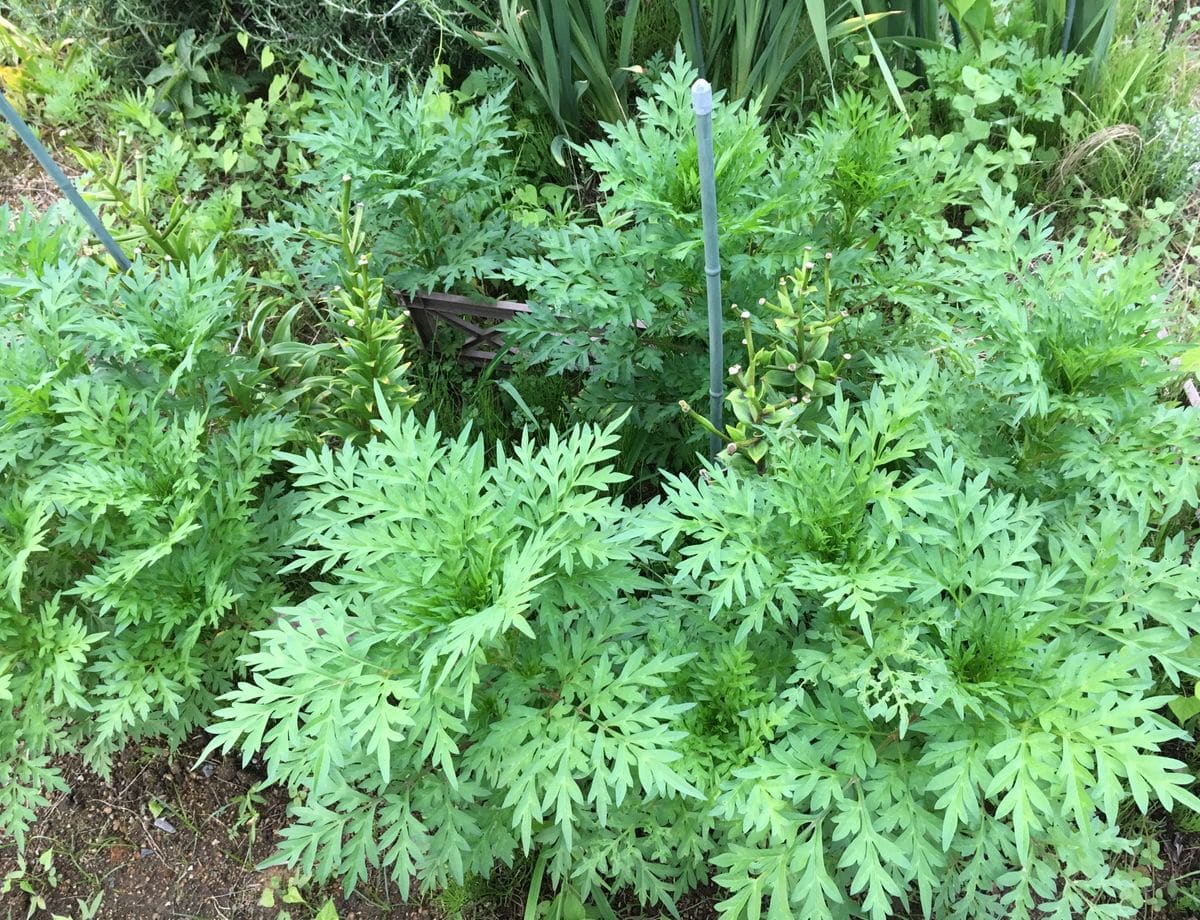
60,179
702,104
1068,24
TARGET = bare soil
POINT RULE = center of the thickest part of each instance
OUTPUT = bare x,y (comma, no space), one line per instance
174,837
169,837
23,181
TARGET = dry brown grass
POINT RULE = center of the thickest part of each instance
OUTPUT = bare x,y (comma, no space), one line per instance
1092,144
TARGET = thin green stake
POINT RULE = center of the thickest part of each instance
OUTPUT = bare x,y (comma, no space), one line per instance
702,104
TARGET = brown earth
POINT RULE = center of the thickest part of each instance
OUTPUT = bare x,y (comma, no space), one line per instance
22,180
169,838
174,837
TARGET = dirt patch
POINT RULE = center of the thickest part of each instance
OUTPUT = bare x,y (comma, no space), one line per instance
169,838
23,182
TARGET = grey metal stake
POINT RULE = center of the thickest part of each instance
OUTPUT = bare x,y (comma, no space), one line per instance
61,180
702,104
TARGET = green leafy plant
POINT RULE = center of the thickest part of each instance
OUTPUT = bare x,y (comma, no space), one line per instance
1067,352
55,84
753,48
139,210
564,54
622,298
1082,27
185,68
976,17
941,695
579,64
434,174
139,536
133,32
785,369
1173,150
1003,97
175,186
908,647
469,679
356,362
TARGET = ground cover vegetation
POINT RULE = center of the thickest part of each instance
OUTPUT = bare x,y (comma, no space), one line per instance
920,640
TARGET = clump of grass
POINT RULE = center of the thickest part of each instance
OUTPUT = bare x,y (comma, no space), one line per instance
497,401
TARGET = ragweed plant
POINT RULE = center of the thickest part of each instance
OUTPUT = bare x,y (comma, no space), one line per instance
470,678
622,298
434,173
1063,353
928,691
140,533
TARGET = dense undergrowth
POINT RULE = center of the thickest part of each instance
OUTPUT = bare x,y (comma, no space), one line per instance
919,640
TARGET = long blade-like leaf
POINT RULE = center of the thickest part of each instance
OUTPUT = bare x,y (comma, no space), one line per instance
819,21
884,70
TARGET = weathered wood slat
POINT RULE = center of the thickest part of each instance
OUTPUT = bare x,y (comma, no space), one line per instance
427,309
457,305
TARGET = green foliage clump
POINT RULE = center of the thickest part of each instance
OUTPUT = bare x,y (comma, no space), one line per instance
1064,352
906,645
199,155
859,675
623,297
133,31
470,678
1173,150
917,652
1002,99
139,532
952,689
336,380
433,173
